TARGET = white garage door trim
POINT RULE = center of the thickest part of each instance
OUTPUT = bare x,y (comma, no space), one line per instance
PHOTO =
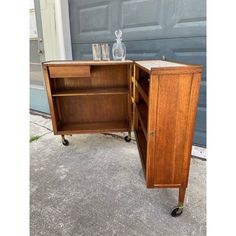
63,29
56,29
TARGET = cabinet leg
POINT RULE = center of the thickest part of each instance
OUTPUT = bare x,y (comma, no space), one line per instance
65,142
128,137
178,210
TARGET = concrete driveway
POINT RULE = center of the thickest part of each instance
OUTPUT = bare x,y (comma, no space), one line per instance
95,186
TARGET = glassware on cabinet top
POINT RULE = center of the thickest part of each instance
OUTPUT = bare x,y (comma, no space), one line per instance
118,49
105,52
96,49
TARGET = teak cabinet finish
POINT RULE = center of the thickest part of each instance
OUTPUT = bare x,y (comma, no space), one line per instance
88,97
158,98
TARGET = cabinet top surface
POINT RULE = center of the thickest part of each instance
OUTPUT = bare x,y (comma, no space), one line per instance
158,64
68,62
147,65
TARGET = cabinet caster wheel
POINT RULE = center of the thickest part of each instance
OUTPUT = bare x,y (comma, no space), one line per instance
177,211
65,142
127,138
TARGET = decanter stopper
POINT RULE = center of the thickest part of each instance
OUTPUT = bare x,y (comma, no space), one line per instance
118,34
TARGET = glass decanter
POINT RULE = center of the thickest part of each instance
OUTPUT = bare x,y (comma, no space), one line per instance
118,49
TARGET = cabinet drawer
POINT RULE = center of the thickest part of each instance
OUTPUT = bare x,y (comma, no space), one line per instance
69,71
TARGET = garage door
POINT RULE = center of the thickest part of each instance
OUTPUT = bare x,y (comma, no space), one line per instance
151,29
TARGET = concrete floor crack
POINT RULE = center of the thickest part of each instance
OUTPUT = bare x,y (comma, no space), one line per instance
41,126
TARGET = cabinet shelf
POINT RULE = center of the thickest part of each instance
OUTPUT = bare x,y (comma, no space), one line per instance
94,127
144,83
142,112
142,147
143,88
90,91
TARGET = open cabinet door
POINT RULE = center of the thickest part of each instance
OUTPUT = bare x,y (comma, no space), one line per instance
165,103
140,125
145,106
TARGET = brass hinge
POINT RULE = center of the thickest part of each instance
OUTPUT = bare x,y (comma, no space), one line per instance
132,100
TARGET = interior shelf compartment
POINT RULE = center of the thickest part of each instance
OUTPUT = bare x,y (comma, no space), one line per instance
142,112
143,88
92,114
144,83
94,127
142,147
89,91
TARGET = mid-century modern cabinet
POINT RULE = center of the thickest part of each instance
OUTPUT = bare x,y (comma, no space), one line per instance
157,98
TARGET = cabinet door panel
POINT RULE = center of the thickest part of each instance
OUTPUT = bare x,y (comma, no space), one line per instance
174,93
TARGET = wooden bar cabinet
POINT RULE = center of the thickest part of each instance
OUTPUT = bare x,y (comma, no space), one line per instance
157,98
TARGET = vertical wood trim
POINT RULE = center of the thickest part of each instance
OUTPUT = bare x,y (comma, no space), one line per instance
136,97
151,129
129,75
176,131
50,99
190,126
133,93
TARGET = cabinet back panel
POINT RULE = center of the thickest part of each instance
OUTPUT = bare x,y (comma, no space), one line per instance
174,93
86,109
108,76
71,83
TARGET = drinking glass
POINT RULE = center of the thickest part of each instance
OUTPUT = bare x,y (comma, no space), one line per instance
105,52
96,49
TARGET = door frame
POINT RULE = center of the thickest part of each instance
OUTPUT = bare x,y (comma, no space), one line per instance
58,10
38,97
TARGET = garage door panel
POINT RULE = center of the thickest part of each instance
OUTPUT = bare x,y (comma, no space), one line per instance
91,21
174,19
82,51
149,49
199,139
131,10
200,125
202,95
188,18
151,29
94,21
134,22
136,50
188,50
88,22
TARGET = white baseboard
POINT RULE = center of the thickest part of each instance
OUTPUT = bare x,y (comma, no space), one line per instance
199,152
